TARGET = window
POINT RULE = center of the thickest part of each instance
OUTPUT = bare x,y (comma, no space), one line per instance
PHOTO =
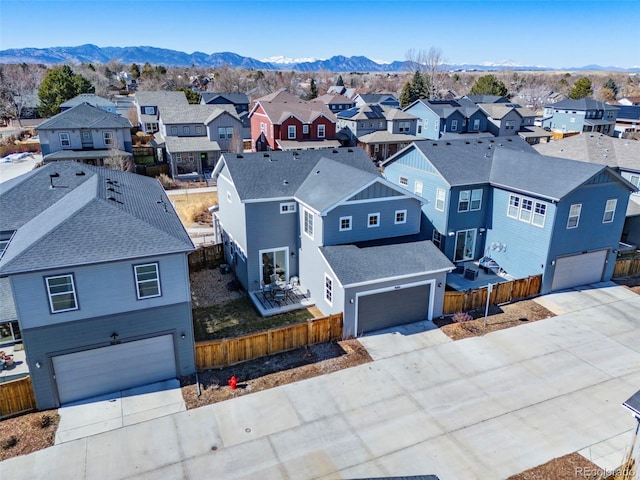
539,213
328,289
463,201
426,124
373,220
510,124
440,197
574,215
404,181
419,128
108,138
380,124
199,130
404,127
5,239
345,223
229,197
291,129
149,110
609,210
514,206
321,131
222,132
417,187
305,129
289,207
229,132
454,125
436,238
174,130
64,140
86,136
191,158
476,124
186,130
401,216
526,209
147,280
62,293
476,200
178,158
263,127
635,180
308,223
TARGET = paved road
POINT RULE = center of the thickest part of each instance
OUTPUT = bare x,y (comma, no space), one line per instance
480,408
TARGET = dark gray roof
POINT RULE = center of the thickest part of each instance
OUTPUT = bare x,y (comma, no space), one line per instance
279,174
90,98
190,144
234,98
160,98
582,104
84,116
633,404
92,215
85,154
355,264
188,113
486,98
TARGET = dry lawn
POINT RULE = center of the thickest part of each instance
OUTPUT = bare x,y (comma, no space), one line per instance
193,208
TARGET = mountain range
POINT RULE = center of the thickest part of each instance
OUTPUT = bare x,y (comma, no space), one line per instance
173,58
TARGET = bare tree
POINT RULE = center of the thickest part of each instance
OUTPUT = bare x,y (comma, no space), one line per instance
429,63
17,84
236,145
119,160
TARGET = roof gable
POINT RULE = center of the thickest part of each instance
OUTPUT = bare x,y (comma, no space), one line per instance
84,115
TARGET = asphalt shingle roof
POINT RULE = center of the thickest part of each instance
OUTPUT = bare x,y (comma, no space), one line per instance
633,403
581,104
190,144
355,264
194,113
84,115
90,98
234,98
160,98
91,215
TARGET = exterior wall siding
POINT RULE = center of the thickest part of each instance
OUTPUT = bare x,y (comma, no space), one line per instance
468,220
96,332
423,113
117,278
225,120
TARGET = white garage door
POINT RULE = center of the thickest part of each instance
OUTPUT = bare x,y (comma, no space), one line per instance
393,307
579,270
109,369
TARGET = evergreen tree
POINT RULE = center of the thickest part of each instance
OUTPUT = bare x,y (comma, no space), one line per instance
415,89
147,70
135,71
59,85
489,85
581,89
340,81
313,90
193,98
610,90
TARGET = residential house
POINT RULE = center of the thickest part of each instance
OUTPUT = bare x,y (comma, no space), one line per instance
622,155
336,102
328,220
628,122
583,115
87,134
282,121
91,99
498,202
148,106
240,102
511,119
384,99
192,137
455,117
481,98
94,278
342,90
630,101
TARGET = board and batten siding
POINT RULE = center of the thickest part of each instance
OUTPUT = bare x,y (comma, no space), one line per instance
231,212
423,113
526,244
101,289
359,213
225,120
468,220
96,332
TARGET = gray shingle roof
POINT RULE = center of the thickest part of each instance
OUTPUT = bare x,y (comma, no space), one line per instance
84,116
234,98
279,174
385,136
633,403
160,98
85,154
90,98
194,113
190,144
279,111
355,264
92,215
582,104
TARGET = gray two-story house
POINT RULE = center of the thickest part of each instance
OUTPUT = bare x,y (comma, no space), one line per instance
94,274
583,115
329,219
498,201
87,134
438,118
148,105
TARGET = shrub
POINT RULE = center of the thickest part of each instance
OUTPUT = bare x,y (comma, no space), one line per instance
461,317
43,422
167,182
9,442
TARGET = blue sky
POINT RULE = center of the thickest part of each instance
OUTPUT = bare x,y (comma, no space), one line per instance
525,32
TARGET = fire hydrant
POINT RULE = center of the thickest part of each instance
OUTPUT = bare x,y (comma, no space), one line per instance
233,382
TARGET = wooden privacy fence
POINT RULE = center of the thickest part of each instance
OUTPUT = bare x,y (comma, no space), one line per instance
206,257
626,267
16,396
501,293
221,353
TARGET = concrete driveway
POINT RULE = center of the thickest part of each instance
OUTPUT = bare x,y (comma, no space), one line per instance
479,408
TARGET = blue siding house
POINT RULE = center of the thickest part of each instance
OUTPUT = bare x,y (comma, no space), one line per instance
497,201
328,221
95,278
583,115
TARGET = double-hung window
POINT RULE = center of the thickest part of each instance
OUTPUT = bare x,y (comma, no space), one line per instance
147,280
308,223
62,293
321,131
305,129
222,132
328,289
539,214
417,187
345,224
440,197
454,125
609,210
476,199
526,210
476,124
108,138
229,132
291,132
574,215
65,141
463,201
514,206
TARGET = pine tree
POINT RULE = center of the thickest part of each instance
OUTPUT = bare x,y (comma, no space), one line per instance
489,85
313,90
415,89
581,89
340,81
60,85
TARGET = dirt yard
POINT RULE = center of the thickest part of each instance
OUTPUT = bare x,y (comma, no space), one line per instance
570,467
632,283
27,433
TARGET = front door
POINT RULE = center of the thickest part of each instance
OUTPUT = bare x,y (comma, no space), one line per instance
274,261
465,245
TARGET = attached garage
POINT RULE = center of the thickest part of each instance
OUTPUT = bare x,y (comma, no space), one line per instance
103,370
576,270
397,305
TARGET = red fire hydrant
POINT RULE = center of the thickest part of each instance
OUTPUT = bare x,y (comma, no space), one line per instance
233,382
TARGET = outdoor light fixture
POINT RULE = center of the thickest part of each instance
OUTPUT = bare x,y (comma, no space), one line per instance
183,336
451,234
439,284
38,365
351,301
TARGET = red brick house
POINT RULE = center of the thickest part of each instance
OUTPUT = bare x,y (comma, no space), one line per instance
282,121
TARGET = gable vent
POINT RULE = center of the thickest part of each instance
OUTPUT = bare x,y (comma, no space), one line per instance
350,150
80,174
239,156
448,143
286,182
265,155
479,141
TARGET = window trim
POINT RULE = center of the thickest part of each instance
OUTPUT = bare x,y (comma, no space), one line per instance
288,207
307,222
186,130
607,210
149,111
403,181
443,193
64,142
139,282
418,187
328,289
291,132
576,216
516,204
174,131
372,216
321,127
436,238
404,217
222,133
526,211
51,295
305,129
461,201
536,214
479,200
349,221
